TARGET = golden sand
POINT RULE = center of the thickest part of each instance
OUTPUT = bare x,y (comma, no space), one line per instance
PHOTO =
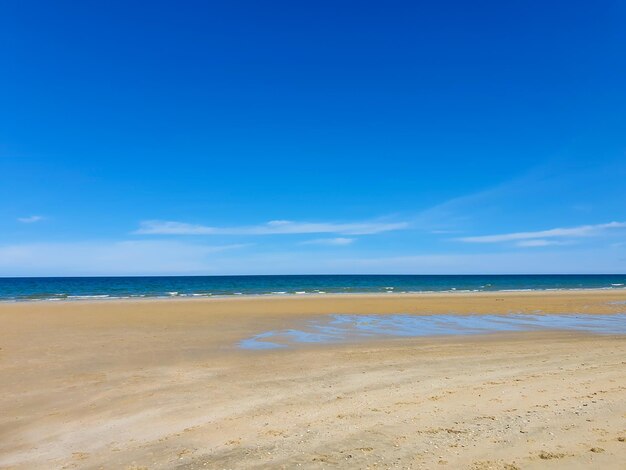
161,384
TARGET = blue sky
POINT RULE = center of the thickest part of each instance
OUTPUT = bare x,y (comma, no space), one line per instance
312,137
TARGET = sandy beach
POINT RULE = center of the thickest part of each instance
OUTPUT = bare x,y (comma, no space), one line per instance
152,384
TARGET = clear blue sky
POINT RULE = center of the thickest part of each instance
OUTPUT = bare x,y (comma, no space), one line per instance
312,137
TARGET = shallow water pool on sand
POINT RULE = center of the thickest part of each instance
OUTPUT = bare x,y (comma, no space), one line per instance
343,328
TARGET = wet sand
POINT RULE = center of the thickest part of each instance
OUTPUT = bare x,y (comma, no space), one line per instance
162,384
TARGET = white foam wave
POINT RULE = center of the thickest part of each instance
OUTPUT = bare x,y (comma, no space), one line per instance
103,296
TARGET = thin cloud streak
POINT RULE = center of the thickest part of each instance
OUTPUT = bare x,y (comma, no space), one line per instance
31,219
275,227
572,232
340,241
540,242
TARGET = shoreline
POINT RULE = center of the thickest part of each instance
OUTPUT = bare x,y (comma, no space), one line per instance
313,295
599,301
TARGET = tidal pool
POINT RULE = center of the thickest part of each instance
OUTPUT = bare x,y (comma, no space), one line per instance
343,328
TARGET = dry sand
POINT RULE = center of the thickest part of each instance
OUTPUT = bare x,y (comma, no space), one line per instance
161,384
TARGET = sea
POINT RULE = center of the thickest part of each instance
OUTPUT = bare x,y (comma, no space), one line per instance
84,288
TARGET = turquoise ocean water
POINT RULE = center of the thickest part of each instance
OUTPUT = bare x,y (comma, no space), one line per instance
81,288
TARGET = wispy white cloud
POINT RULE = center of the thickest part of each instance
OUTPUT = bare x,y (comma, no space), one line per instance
540,242
30,219
444,232
339,241
275,227
552,191
572,232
